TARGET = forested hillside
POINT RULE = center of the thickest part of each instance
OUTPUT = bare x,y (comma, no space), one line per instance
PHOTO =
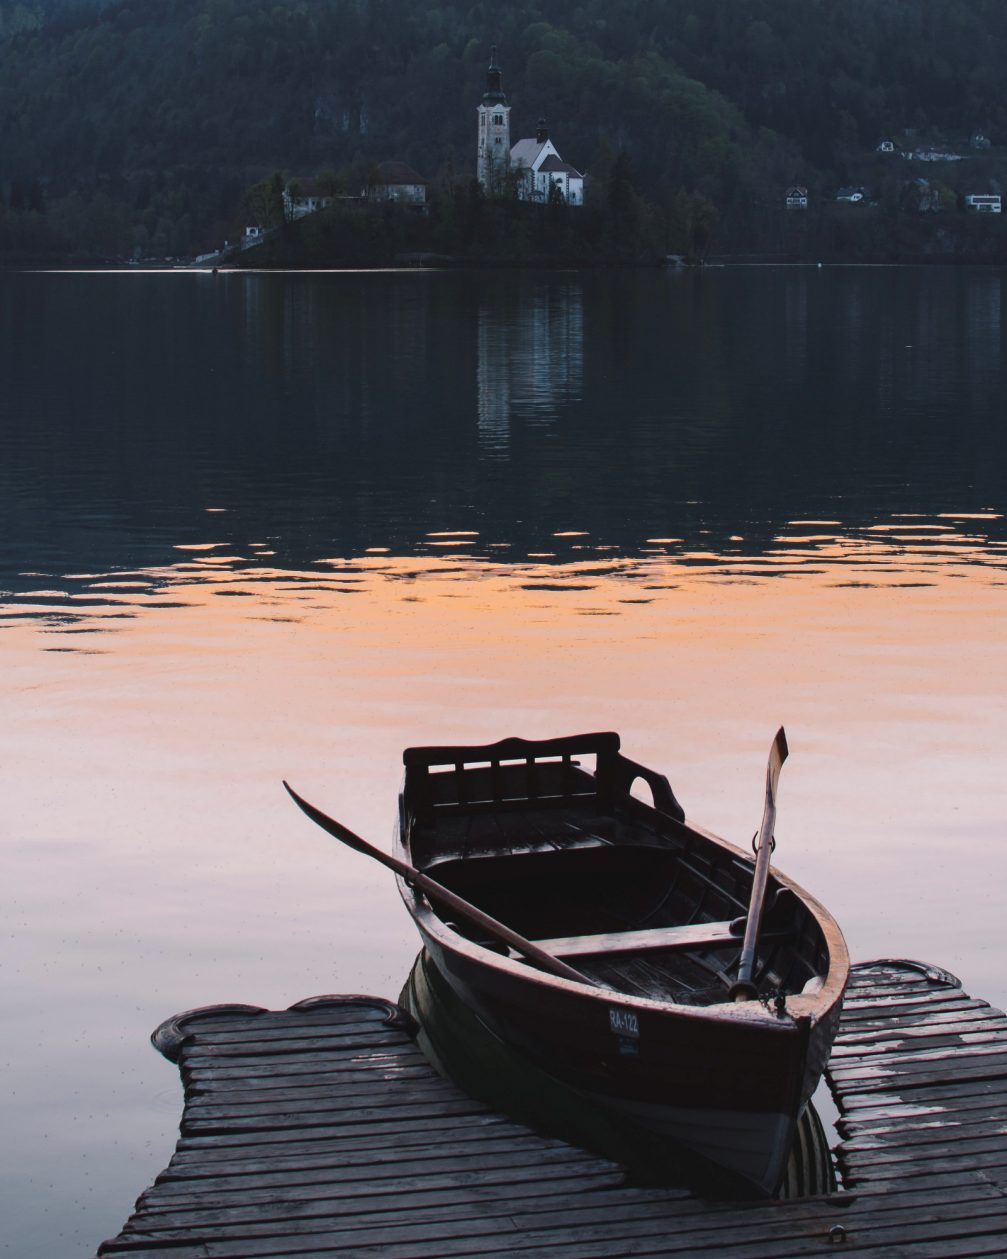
23,15
137,126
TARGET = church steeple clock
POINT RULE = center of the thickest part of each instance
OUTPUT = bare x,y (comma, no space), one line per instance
494,131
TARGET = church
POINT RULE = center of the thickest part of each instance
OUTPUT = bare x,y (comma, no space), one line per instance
535,164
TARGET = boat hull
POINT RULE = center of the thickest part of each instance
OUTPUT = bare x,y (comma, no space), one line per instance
728,1089
717,1152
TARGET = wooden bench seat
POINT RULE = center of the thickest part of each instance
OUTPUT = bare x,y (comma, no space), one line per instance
699,935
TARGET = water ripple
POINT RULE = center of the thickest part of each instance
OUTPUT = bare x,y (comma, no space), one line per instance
889,553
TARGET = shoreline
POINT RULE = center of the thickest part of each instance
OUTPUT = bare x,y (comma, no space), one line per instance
716,262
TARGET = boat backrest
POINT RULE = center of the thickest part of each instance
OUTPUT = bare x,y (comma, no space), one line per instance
510,774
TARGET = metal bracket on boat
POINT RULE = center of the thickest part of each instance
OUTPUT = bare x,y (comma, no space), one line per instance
755,843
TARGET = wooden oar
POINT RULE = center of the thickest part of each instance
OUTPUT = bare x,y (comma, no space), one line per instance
743,989
444,896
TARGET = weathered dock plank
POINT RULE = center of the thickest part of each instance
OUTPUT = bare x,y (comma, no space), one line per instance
323,1131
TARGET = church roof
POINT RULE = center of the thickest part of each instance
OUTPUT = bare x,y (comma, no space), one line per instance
525,152
308,187
556,166
398,173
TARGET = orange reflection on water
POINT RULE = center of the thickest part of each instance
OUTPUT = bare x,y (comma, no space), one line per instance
154,712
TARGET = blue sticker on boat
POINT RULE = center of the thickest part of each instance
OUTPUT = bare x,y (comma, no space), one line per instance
623,1022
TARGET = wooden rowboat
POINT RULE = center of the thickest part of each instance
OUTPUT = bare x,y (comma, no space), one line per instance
648,912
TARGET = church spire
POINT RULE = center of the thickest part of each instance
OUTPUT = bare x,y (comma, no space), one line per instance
494,94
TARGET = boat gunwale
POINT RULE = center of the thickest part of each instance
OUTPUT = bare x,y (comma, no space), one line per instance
812,1006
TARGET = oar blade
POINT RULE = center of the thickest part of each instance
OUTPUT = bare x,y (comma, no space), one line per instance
778,753
435,891
329,824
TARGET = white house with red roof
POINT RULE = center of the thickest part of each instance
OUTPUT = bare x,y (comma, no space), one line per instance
303,196
395,181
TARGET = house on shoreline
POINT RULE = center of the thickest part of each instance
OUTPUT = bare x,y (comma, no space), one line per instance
395,181
391,181
303,196
983,202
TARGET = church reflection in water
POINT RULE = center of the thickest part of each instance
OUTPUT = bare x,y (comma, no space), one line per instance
530,360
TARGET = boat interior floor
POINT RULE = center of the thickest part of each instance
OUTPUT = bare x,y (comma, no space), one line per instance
655,918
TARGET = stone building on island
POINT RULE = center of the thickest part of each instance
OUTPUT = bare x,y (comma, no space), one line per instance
534,164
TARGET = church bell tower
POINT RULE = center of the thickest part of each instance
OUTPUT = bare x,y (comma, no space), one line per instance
494,131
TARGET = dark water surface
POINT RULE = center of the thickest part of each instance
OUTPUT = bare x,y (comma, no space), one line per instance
256,526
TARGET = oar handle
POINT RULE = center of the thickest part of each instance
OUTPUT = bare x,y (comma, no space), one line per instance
444,896
743,988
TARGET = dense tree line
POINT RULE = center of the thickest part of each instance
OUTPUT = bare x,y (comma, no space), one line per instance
460,223
144,122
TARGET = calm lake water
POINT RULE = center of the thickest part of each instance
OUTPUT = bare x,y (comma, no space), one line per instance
265,526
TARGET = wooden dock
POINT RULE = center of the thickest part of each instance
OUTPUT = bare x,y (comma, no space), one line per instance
322,1130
